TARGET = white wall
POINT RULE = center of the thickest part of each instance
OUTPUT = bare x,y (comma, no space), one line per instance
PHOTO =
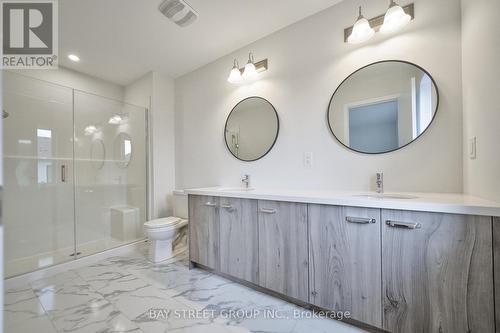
307,61
481,98
163,134
73,79
156,92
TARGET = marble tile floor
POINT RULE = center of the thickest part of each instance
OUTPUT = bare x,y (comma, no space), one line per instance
130,294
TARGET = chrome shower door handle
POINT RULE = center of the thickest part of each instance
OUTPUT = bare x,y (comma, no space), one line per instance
63,173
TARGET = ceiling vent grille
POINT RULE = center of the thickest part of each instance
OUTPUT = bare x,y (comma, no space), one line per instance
179,12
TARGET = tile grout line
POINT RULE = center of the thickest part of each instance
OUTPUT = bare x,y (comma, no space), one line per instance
45,313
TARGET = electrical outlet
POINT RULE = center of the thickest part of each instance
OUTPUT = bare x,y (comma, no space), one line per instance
308,160
473,148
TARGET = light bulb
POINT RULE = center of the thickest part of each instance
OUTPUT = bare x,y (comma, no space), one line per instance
235,75
395,18
90,129
115,120
250,72
361,31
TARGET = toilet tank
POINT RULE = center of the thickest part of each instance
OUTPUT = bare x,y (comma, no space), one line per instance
180,204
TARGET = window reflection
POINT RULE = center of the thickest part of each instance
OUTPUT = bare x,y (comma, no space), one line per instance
127,149
44,154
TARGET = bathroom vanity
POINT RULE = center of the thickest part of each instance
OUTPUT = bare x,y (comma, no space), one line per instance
398,263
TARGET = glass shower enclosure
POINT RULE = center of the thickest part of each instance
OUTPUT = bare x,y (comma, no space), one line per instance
75,173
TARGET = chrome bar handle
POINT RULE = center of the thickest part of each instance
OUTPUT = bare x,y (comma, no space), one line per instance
397,224
268,211
63,173
210,204
360,220
227,206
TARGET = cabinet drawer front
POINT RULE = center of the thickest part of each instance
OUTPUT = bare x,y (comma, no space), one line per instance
437,277
283,251
239,238
345,261
204,230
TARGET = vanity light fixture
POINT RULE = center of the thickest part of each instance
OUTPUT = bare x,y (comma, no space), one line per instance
395,18
235,75
115,120
249,73
90,129
361,31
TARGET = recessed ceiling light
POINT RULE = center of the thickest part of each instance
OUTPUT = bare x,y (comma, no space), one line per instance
74,57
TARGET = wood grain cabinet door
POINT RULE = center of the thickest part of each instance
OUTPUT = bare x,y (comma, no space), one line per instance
437,273
239,253
345,261
496,269
204,230
283,251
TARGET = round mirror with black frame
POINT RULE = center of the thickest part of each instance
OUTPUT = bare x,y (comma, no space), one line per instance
251,129
383,107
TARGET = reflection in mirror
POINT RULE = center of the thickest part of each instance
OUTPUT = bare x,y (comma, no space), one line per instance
383,107
251,129
122,150
97,153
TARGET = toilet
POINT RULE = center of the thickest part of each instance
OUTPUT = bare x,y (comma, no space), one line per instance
164,233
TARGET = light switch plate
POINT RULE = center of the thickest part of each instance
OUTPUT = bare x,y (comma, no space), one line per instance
473,148
308,160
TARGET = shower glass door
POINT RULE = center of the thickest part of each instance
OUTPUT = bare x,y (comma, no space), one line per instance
110,172
38,210
75,171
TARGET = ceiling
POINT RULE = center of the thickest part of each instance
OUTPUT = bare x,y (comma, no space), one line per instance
121,40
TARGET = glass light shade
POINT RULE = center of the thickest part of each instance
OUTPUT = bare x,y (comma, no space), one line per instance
90,129
394,19
361,32
115,120
235,76
250,72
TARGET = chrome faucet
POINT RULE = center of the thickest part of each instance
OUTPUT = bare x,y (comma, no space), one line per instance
379,183
246,180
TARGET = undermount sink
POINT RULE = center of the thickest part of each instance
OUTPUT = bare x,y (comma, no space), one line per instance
235,189
387,196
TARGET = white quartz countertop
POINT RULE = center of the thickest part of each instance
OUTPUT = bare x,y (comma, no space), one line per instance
452,203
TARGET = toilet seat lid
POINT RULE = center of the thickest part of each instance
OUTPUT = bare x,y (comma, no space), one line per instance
163,222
